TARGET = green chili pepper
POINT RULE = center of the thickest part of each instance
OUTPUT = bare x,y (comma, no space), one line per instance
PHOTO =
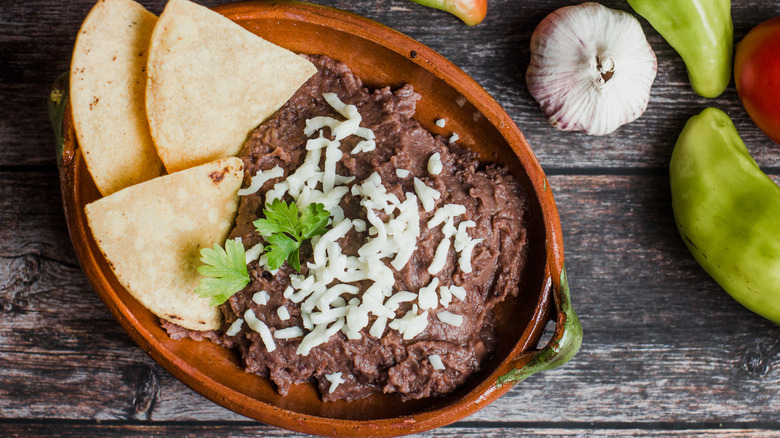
702,33
728,211
470,11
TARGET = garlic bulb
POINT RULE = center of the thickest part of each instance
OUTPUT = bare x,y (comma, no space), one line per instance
591,68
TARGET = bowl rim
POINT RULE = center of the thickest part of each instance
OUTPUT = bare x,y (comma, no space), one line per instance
552,303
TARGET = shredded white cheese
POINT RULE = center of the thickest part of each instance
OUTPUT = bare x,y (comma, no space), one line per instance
283,313
259,179
454,137
359,225
427,195
254,252
445,212
235,327
406,230
366,145
318,336
397,298
440,123
350,334
434,164
332,293
261,297
262,329
426,297
462,236
316,144
335,380
277,192
376,244
289,333
263,263
374,195
446,296
378,327
440,257
343,129
458,292
307,324
357,318
332,156
337,232
465,255
436,362
402,173
450,318
329,315
297,280
411,324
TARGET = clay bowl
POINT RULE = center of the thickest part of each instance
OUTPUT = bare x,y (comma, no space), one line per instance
381,57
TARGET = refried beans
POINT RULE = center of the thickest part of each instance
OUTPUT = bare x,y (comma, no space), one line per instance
460,333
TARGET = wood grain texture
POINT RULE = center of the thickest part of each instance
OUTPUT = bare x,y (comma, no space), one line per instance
666,352
474,431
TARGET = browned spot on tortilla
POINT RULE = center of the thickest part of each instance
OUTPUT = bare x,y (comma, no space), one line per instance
216,177
174,317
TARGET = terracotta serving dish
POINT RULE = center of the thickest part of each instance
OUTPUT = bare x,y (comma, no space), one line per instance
381,57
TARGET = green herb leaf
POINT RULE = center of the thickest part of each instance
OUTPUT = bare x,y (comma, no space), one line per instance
224,272
294,259
280,217
267,227
314,219
285,229
281,246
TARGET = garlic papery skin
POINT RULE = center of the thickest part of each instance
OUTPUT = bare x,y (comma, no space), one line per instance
591,68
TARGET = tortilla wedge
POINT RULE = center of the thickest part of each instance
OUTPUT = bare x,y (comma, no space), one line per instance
107,89
210,82
151,235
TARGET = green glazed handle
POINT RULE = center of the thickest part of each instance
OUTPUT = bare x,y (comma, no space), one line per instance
57,102
562,347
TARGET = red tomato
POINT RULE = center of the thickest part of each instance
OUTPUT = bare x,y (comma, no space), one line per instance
757,74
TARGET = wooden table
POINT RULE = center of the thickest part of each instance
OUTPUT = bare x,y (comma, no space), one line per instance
666,352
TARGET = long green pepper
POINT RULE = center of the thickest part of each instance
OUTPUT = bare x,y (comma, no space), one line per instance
701,31
728,211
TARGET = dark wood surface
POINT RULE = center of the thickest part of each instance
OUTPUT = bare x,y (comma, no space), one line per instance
666,352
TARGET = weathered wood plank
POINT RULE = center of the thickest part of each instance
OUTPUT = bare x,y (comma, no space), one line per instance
36,40
31,218
476,430
662,342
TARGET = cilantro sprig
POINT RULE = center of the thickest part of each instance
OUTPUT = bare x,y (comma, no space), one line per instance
285,229
223,273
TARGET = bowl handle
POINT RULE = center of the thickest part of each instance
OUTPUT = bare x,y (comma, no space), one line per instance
57,102
561,348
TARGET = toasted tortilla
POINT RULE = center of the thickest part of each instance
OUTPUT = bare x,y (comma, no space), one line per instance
210,82
151,235
107,89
